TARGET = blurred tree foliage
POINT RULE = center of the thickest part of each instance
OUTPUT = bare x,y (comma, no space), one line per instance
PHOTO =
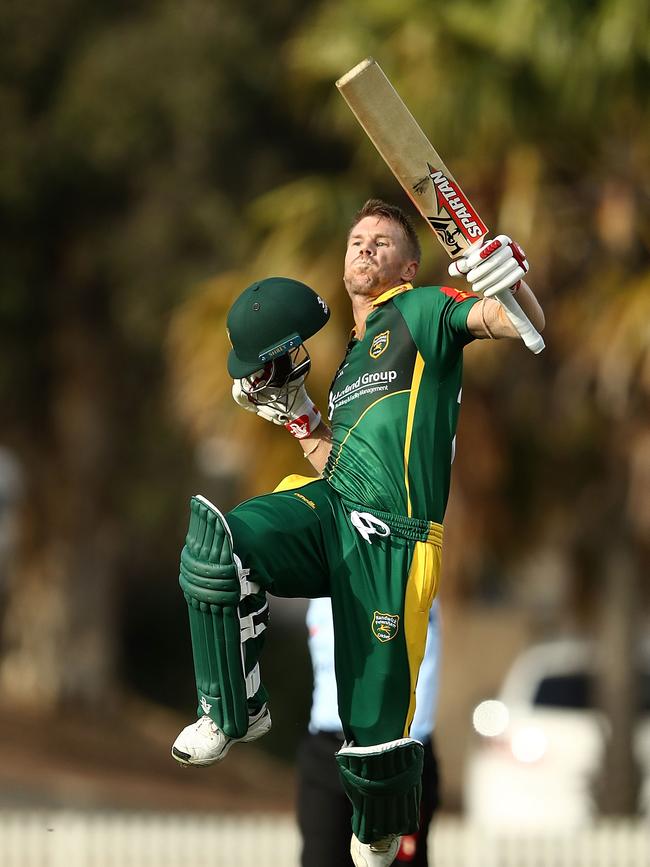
540,109
158,157
131,142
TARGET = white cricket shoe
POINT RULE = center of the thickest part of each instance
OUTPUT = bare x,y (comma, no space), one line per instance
381,853
203,743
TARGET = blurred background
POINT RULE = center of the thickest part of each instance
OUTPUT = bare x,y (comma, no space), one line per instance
156,158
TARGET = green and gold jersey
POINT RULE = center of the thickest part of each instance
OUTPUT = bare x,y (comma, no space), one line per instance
394,403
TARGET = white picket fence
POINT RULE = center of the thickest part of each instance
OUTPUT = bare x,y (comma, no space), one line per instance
76,839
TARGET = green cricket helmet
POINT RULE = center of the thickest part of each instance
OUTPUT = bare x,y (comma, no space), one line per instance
268,324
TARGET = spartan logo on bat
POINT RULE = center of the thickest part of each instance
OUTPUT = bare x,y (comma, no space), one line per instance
446,230
455,216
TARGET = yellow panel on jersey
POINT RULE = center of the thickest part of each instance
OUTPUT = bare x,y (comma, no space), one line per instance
413,399
421,588
391,293
295,480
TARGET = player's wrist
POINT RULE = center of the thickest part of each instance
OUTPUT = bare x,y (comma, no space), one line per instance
310,449
304,419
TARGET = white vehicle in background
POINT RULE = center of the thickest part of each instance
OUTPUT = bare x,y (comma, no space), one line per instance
541,743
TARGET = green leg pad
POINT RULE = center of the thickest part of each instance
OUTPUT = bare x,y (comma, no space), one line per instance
211,586
384,783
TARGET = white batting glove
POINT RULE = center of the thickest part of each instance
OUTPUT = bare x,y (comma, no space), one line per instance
496,265
298,413
241,398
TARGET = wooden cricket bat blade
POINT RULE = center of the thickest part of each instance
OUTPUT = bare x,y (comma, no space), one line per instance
411,157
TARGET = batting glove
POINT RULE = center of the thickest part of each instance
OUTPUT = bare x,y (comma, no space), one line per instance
497,265
295,411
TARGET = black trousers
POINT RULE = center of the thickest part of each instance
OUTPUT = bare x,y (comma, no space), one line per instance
324,811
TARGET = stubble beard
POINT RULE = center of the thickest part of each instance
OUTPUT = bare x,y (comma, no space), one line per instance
362,281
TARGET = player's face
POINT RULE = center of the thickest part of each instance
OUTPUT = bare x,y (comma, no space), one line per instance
377,258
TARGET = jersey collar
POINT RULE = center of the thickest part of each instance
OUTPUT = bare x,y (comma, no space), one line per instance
391,293
383,298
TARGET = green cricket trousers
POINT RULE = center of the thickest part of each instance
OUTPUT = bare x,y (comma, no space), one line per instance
381,572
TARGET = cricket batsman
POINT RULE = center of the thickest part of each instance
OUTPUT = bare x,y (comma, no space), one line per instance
368,532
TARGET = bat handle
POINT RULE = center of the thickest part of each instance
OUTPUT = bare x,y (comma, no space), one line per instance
527,331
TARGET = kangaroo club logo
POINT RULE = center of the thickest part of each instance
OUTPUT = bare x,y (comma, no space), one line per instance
385,626
379,344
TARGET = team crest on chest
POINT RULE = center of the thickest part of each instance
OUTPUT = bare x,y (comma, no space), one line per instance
379,344
385,626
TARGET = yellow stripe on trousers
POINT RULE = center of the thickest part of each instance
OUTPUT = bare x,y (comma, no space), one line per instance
421,588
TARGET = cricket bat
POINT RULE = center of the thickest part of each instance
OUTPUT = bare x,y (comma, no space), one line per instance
426,179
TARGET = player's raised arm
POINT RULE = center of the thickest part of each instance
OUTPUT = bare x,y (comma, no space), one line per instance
433,190
497,267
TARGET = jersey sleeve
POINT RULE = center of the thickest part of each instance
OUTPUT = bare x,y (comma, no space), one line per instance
437,319
456,308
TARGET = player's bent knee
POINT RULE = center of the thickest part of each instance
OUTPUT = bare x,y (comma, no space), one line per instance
214,584
384,783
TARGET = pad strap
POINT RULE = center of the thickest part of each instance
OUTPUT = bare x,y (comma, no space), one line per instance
253,681
247,588
254,624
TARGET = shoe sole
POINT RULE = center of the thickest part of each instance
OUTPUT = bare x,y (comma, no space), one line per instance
186,760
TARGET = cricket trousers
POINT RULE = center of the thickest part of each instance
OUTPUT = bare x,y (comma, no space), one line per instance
381,572
324,811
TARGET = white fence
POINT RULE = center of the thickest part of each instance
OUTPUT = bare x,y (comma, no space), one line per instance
75,839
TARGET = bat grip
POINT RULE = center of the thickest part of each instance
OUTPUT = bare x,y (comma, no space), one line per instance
527,331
